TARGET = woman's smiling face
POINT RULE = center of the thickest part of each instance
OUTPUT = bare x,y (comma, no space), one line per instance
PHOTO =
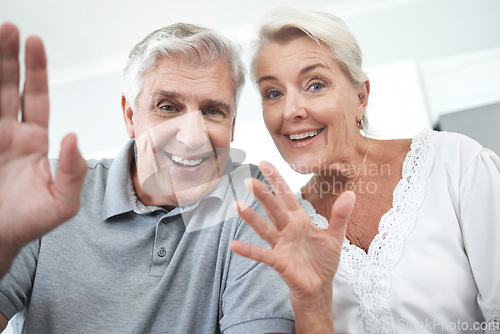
310,107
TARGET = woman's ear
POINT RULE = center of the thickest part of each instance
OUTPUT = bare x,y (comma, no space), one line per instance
363,93
128,114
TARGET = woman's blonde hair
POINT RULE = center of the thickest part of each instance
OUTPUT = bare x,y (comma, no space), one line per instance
284,24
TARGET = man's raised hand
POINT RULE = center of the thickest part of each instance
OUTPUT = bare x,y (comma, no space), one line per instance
31,202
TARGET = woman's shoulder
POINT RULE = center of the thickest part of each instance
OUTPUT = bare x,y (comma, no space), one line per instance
452,150
462,142
455,144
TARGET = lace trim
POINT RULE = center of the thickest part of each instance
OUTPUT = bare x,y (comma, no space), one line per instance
492,319
370,272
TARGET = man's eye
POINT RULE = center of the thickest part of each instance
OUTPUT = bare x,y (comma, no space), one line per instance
273,94
213,112
167,108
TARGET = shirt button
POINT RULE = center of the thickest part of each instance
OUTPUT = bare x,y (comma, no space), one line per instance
161,252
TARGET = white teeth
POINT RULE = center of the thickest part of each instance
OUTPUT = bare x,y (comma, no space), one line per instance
304,135
186,162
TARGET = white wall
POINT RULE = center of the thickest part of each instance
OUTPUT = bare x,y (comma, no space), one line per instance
462,81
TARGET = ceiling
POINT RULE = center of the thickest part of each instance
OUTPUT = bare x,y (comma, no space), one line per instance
82,31
88,35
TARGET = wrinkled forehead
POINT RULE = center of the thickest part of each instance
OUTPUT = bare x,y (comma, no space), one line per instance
191,82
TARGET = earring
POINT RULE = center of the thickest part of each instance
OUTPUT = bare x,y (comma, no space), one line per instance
359,123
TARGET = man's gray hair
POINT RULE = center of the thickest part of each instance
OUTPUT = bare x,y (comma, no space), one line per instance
194,44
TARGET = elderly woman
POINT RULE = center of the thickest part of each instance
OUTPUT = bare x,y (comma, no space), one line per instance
421,247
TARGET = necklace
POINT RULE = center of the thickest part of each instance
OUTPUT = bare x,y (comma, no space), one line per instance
355,178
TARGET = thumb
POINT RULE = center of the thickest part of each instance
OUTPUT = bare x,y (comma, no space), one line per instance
341,211
70,174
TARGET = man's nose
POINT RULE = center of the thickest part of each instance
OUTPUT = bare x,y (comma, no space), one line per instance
192,130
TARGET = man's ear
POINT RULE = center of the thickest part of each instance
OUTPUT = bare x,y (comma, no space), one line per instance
232,128
128,114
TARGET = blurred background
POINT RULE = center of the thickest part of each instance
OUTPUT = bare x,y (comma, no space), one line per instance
432,64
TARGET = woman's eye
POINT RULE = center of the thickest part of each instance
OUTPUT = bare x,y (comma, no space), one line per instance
273,94
315,86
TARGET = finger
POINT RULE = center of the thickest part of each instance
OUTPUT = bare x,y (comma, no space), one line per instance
69,177
279,185
35,101
259,224
272,206
9,72
256,253
341,211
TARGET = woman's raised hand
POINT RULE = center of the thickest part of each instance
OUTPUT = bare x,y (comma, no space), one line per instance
305,256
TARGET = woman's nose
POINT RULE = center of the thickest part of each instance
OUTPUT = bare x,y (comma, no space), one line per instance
294,107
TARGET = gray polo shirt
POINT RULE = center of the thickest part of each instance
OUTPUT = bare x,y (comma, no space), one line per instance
121,267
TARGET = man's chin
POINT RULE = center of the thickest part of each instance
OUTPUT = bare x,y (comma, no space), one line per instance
162,193
193,194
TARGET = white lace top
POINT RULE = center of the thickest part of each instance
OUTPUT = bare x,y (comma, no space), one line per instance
434,265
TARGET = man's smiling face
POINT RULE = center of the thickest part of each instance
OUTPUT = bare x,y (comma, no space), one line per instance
183,125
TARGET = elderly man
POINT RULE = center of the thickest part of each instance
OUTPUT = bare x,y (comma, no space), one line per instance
148,249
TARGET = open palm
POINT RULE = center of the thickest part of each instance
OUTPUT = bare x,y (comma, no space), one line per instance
305,256
31,202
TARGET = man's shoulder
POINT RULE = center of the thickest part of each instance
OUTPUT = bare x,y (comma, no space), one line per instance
92,164
104,163
121,161
97,171
248,169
